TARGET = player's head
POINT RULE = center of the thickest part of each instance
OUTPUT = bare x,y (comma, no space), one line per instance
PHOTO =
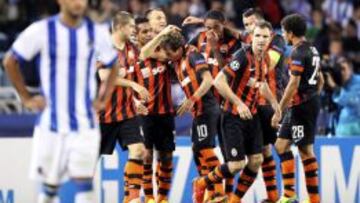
293,26
73,8
250,17
173,44
157,19
123,24
346,69
214,20
261,36
143,30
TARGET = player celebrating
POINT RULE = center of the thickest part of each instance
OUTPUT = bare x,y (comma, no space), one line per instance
246,76
119,122
299,122
67,137
159,114
217,45
195,78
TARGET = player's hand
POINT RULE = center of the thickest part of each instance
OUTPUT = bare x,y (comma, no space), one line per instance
169,29
186,106
191,20
212,38
275,120
142,91
35,103
141,108
244,112
98,104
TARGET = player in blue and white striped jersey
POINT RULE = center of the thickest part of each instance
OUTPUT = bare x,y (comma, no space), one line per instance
66,137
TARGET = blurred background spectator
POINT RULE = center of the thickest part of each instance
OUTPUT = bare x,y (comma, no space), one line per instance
333,27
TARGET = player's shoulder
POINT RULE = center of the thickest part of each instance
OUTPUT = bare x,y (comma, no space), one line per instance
278,42
301,50
242,52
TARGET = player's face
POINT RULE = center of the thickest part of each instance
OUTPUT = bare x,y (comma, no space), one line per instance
249,23
157,20
128,30
214,25
144,33
173,55
74,8
261,39
346,72
286,36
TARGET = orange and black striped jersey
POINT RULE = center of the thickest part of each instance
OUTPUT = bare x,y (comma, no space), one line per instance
189,72
305,62
121,105
227,46
277,76
245,75
154,75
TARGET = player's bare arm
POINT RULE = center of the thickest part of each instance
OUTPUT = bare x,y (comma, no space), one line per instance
12,69
320,83
222,85
201,91
123,82
149,50
288,95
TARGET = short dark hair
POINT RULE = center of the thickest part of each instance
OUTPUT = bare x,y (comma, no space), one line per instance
148,12
264,24
121,18
174,41
215,15
253,11
294,23
140,20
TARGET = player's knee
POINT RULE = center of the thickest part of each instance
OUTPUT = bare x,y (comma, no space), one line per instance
83,184
255,162
148,156
306,152
236,166
49,190
267,151
165,157
136,151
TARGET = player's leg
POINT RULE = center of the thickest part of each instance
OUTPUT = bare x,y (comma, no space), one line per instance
311,171
130,138
306,134
233,140
47,161
268,167
253,144
247,177
149,139
164,142
282,146
83,155
229,182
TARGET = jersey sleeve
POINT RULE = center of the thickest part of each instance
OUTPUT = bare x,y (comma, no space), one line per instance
28,44
297,63
238,62
198,61
105,51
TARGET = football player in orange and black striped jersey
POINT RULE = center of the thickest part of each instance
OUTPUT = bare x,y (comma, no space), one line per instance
217,45
302,100
240,83
195,79
154,75
119,122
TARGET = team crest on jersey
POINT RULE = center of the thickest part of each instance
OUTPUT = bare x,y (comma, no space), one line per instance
224,48
235,65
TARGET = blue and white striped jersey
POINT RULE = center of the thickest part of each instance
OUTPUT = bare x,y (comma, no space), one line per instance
66,60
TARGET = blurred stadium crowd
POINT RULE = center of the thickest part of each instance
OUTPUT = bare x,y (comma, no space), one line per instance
333,27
